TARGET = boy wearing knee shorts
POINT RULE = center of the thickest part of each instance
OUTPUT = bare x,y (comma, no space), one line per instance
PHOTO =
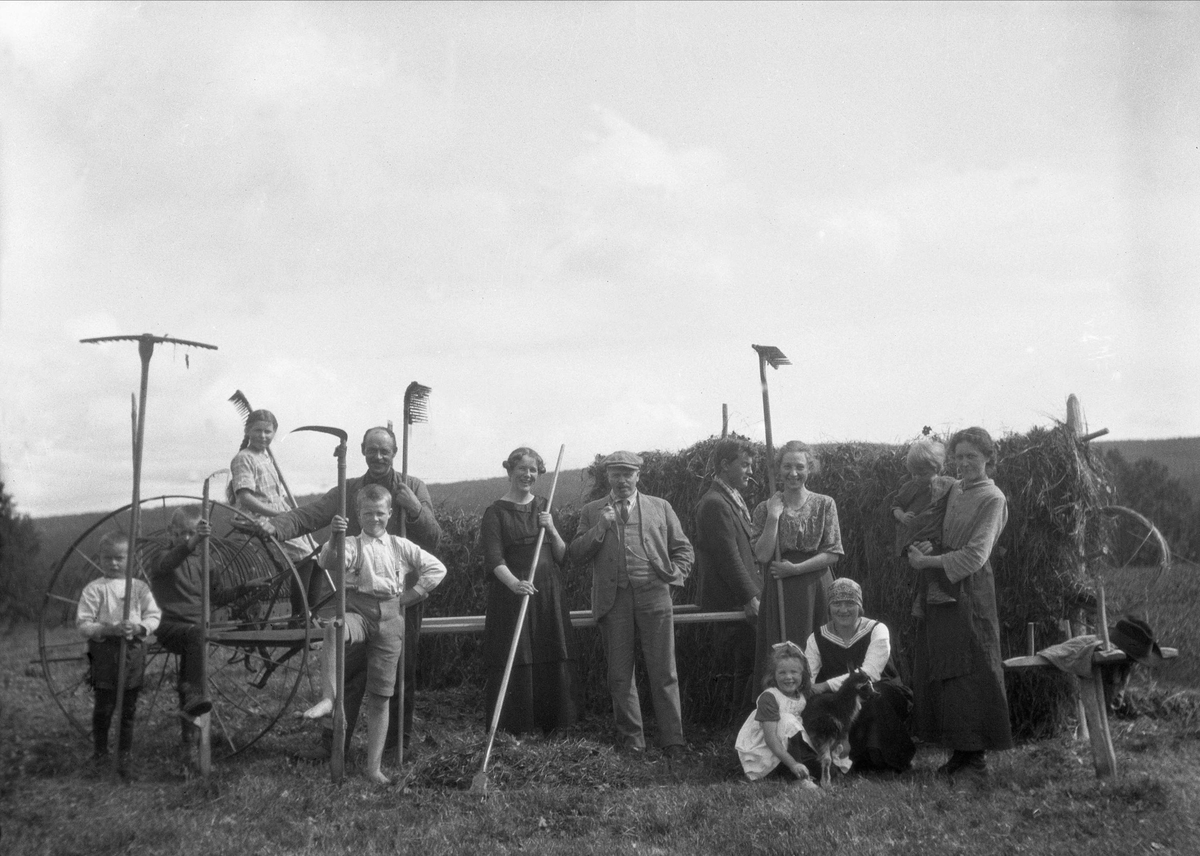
377,564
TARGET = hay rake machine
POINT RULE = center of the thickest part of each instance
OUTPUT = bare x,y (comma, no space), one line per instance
259,639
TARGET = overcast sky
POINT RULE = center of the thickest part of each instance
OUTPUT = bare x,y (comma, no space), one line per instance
572,221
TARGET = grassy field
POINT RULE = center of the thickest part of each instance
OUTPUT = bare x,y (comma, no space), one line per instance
574,795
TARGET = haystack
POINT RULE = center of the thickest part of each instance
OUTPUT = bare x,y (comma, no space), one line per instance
1053,484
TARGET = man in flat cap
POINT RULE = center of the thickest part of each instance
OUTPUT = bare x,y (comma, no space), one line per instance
637,551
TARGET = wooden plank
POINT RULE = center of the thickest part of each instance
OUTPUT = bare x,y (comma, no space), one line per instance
1091,691
1100,658
447,624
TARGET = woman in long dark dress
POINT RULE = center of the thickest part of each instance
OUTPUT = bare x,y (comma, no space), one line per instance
543,690
879,739
810,541
958,677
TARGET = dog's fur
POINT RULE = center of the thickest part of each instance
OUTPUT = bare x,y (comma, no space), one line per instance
827,717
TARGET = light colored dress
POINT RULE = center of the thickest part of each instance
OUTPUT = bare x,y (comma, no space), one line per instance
254,471
757,758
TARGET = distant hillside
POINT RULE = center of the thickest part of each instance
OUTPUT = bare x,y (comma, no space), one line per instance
58,533
1180,455
474,496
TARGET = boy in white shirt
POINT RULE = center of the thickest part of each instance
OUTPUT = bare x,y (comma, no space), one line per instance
376,594
100,619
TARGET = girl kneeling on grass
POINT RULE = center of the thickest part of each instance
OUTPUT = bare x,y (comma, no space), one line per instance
772,739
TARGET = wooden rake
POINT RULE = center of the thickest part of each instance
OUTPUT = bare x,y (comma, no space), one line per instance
146,343
416,409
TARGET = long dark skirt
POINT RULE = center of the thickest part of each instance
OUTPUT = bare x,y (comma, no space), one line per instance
806,607
958,680
540,696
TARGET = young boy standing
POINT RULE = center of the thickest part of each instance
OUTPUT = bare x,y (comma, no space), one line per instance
377,564
100,619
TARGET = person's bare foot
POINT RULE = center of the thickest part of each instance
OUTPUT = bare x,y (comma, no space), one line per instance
322,708
378,777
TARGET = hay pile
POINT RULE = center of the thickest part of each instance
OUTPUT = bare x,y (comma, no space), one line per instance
1051,481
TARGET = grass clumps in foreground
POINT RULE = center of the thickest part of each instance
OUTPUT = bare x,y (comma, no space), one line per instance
576,795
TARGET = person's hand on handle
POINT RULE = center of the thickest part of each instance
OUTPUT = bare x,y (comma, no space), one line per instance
406,501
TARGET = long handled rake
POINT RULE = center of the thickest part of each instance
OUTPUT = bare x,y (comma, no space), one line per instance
770,355
480,781
416,409
146,343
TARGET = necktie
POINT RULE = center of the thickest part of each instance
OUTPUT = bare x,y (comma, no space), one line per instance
623,506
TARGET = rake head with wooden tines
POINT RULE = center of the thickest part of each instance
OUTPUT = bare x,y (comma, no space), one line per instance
416,403
772,355
242,404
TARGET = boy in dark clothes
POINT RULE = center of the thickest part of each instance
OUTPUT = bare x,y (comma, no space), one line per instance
177,584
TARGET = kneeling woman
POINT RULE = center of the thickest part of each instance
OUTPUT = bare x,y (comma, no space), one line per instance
879,739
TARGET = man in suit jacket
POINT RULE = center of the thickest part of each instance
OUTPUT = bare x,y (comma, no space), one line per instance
727,574
636,548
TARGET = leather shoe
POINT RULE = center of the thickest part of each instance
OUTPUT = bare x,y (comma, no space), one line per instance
956,762
674,753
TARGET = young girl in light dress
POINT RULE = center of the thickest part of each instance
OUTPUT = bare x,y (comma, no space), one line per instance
772,739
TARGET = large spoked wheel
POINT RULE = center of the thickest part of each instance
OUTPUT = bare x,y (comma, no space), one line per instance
1131,544
260,631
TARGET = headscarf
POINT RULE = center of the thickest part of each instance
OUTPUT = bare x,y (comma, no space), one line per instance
844,588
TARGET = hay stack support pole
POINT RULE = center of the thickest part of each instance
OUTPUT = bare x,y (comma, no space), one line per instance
1091,688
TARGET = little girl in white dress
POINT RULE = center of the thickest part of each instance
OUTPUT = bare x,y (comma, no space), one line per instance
772,738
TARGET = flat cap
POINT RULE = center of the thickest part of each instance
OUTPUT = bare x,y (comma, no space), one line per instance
623,459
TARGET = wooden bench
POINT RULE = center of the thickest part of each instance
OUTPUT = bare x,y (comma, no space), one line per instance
1092,709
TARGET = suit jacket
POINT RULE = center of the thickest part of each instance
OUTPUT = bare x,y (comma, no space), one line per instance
728,576
668,549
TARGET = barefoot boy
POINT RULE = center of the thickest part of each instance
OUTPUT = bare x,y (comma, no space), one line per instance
376,594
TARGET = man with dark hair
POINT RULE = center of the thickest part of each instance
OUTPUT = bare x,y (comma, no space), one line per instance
411,503
728,577
636,549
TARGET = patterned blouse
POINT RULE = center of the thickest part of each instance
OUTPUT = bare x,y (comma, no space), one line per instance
812,528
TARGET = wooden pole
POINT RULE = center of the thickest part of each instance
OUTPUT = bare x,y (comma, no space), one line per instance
770,467
204,751
145,351
337,759
1091,688
1081,729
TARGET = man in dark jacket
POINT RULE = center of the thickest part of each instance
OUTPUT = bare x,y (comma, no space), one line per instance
728,577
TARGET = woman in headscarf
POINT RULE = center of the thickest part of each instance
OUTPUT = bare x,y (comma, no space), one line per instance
879,738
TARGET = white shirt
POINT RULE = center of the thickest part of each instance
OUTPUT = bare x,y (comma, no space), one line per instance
377,566
103,602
